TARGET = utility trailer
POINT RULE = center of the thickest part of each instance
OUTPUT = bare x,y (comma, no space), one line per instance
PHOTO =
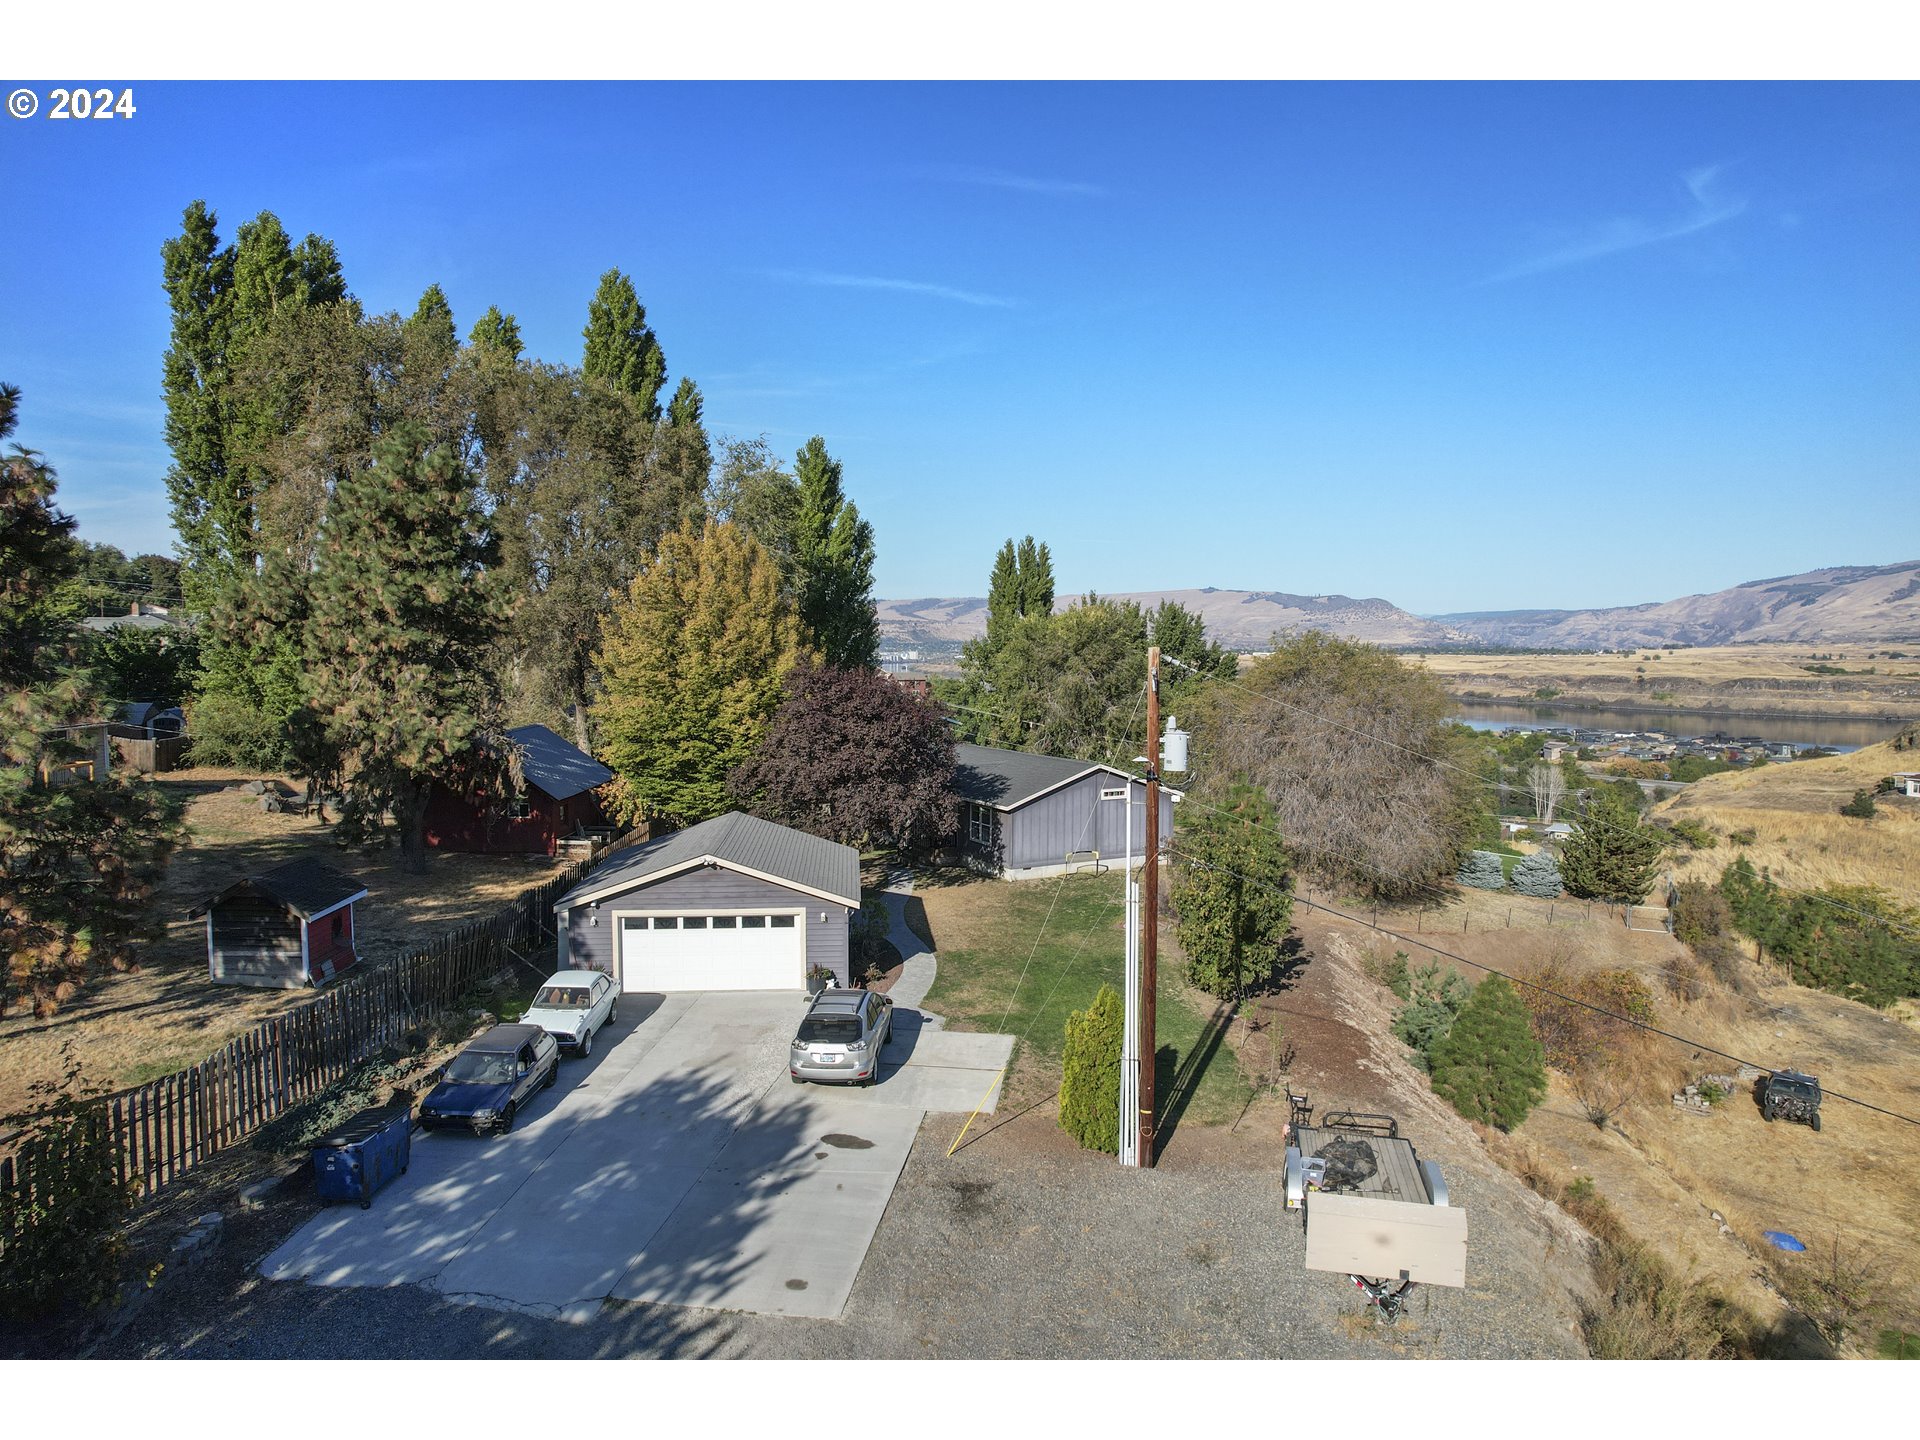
1374,1211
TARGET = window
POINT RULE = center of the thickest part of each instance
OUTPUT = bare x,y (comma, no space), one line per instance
694,922
980,820
780,922
517,808
725,922
665,922
753,922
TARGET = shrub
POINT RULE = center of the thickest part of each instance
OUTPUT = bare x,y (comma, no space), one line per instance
61,1241
1841,1290
1391,973
1861,807
872,956
1682,979
1695,835
1744,837
1482,870
1538,875
1436,998
1090,1073
1488,1065
227,731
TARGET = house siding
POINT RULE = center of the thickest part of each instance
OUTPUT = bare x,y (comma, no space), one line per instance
1073,820
587,946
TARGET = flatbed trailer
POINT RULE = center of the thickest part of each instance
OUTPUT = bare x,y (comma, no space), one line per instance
1374,1211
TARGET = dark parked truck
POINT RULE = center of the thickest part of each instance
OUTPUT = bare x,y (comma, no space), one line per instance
1374,1211
1789,1095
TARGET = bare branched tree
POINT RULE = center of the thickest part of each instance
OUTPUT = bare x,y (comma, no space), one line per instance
1547,785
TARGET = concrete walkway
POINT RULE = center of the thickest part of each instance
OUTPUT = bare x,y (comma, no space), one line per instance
922,965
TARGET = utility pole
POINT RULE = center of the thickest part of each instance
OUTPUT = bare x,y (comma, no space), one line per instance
1150,911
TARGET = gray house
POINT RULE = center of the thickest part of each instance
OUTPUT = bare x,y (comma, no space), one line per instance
1024,815
734,903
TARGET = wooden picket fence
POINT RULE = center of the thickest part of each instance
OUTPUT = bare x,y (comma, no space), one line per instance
162,1130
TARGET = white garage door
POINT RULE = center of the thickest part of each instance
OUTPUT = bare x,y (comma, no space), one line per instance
693,951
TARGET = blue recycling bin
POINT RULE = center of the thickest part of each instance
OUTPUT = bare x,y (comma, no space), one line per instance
363,1155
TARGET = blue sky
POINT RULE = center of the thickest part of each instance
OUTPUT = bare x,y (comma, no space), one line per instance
1460,346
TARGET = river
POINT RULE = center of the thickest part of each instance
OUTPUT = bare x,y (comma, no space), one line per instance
1774,729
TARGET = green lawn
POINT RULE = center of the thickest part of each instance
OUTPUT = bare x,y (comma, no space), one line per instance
985,932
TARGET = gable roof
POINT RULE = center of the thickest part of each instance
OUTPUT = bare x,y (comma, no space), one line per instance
306,887
561,769
740,842
1007,779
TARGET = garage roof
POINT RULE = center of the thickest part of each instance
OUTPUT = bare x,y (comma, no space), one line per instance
740,842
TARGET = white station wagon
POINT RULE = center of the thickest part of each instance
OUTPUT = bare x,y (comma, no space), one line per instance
572,1005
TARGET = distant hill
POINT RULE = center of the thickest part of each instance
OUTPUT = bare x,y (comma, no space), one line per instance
1847,604
1238,619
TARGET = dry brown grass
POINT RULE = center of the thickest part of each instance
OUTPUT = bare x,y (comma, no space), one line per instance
1798,831
132,1027
1730,677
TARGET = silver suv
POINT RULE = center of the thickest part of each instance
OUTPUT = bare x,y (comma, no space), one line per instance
841,1037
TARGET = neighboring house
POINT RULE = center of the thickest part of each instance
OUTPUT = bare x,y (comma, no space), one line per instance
1558,830
281,929
734,903
911,681
556,800
1907,782
147,720
1024,815
139,617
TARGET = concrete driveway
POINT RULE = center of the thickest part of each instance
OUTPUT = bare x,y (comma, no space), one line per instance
678,1165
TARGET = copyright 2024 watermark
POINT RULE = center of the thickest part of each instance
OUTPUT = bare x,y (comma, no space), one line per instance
72,102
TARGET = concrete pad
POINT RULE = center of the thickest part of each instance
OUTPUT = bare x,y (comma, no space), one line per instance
677,1165
781,1222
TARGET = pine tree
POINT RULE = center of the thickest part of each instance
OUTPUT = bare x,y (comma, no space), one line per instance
400,642
1090,1073
621,349
691,664
1482,870
1490,1066
1232,896
833,553
1611,854
80,858
1538,875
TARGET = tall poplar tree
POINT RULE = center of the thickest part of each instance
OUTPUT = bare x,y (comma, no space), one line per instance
401,635
197,274
691,665
496,332
621,349
833,554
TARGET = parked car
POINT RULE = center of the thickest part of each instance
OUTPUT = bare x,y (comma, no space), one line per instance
488,1082
840,1038
572,1006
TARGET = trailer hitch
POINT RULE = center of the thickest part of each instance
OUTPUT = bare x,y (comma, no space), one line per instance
1390,1298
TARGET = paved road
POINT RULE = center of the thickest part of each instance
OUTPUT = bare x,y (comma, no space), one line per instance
678,1165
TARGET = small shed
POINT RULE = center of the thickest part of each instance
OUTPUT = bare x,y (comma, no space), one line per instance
1023,815
283,928
556,799
733,903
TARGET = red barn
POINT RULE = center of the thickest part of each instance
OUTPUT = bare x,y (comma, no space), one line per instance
556,800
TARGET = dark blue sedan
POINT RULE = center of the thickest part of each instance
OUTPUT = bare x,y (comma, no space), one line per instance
487,1083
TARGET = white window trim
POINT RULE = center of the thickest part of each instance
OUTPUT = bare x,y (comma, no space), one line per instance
980,823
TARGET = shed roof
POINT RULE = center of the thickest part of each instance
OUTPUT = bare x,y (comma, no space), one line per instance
306,887
740,842
561,769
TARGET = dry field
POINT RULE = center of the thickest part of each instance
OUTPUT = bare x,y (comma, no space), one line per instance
132,1027
1799,833
1670,1173
1755,678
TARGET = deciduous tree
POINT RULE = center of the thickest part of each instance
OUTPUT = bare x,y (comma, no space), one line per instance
691,665
1232,895
833,554
852,757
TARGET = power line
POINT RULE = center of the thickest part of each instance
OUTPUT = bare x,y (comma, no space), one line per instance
1531,985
